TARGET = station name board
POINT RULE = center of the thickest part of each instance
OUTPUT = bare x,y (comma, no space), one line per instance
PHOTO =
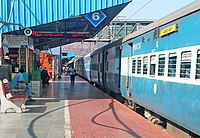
47,35
168,30
60,35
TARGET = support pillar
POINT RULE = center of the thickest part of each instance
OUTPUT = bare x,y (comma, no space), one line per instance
1,49
36,83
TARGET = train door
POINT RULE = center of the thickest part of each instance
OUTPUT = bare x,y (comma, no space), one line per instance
101,68
129,77
126,70
129,71
118,68
104,68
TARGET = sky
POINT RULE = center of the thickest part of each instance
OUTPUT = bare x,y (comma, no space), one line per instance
155,9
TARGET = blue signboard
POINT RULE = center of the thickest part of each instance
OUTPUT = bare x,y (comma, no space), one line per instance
96,17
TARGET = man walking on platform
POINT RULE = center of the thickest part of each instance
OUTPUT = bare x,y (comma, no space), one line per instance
45,76
72,75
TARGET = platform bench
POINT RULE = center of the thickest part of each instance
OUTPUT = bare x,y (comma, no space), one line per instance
12,98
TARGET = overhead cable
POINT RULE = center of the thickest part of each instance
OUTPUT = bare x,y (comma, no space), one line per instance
140,9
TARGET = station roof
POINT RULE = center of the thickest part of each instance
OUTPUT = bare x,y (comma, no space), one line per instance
67,20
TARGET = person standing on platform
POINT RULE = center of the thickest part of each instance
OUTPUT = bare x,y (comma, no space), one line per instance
29,91
45,76
73,74
20,79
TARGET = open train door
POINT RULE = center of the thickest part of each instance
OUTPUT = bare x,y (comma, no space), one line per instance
129,70
129,77
126,70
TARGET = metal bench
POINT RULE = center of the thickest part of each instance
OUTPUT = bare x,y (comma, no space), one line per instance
11,98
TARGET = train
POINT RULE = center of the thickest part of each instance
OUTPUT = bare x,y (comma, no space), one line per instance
155,69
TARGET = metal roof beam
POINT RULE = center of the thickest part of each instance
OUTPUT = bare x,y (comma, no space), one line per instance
8,23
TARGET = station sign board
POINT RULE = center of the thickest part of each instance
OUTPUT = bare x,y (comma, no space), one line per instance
168,30
61,35
95,18
52,35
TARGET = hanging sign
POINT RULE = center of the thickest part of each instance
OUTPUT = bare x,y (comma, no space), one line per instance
168,30
95,18
61,35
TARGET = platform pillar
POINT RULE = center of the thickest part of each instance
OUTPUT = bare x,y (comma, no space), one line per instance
36,84
1,49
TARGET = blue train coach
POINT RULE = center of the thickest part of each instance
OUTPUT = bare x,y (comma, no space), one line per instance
160,68
83,67
102,67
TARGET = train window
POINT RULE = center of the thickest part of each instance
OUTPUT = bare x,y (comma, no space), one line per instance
130,44
143,39
145,65
185,64
161,65
139,61
101,67
107,66
156,33
197,76
153,65
96,66
64,54
133,66
172,65
92,66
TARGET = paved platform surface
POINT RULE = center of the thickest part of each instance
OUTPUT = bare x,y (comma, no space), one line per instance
95,114
76,110
47,117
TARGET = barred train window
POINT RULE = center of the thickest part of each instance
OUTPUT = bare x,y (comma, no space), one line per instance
185,64
107,66
92,66
161,65
133,66
172,65
101,67
96,66
153,65
145,65
197,76
139,65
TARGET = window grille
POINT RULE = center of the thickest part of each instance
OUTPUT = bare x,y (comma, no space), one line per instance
139,66
145,65
185,64
153,65
172,65
133,66
197,76
107,66
101,67
161,65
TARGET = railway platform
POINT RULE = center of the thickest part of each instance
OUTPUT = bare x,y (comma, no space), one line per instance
77,110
